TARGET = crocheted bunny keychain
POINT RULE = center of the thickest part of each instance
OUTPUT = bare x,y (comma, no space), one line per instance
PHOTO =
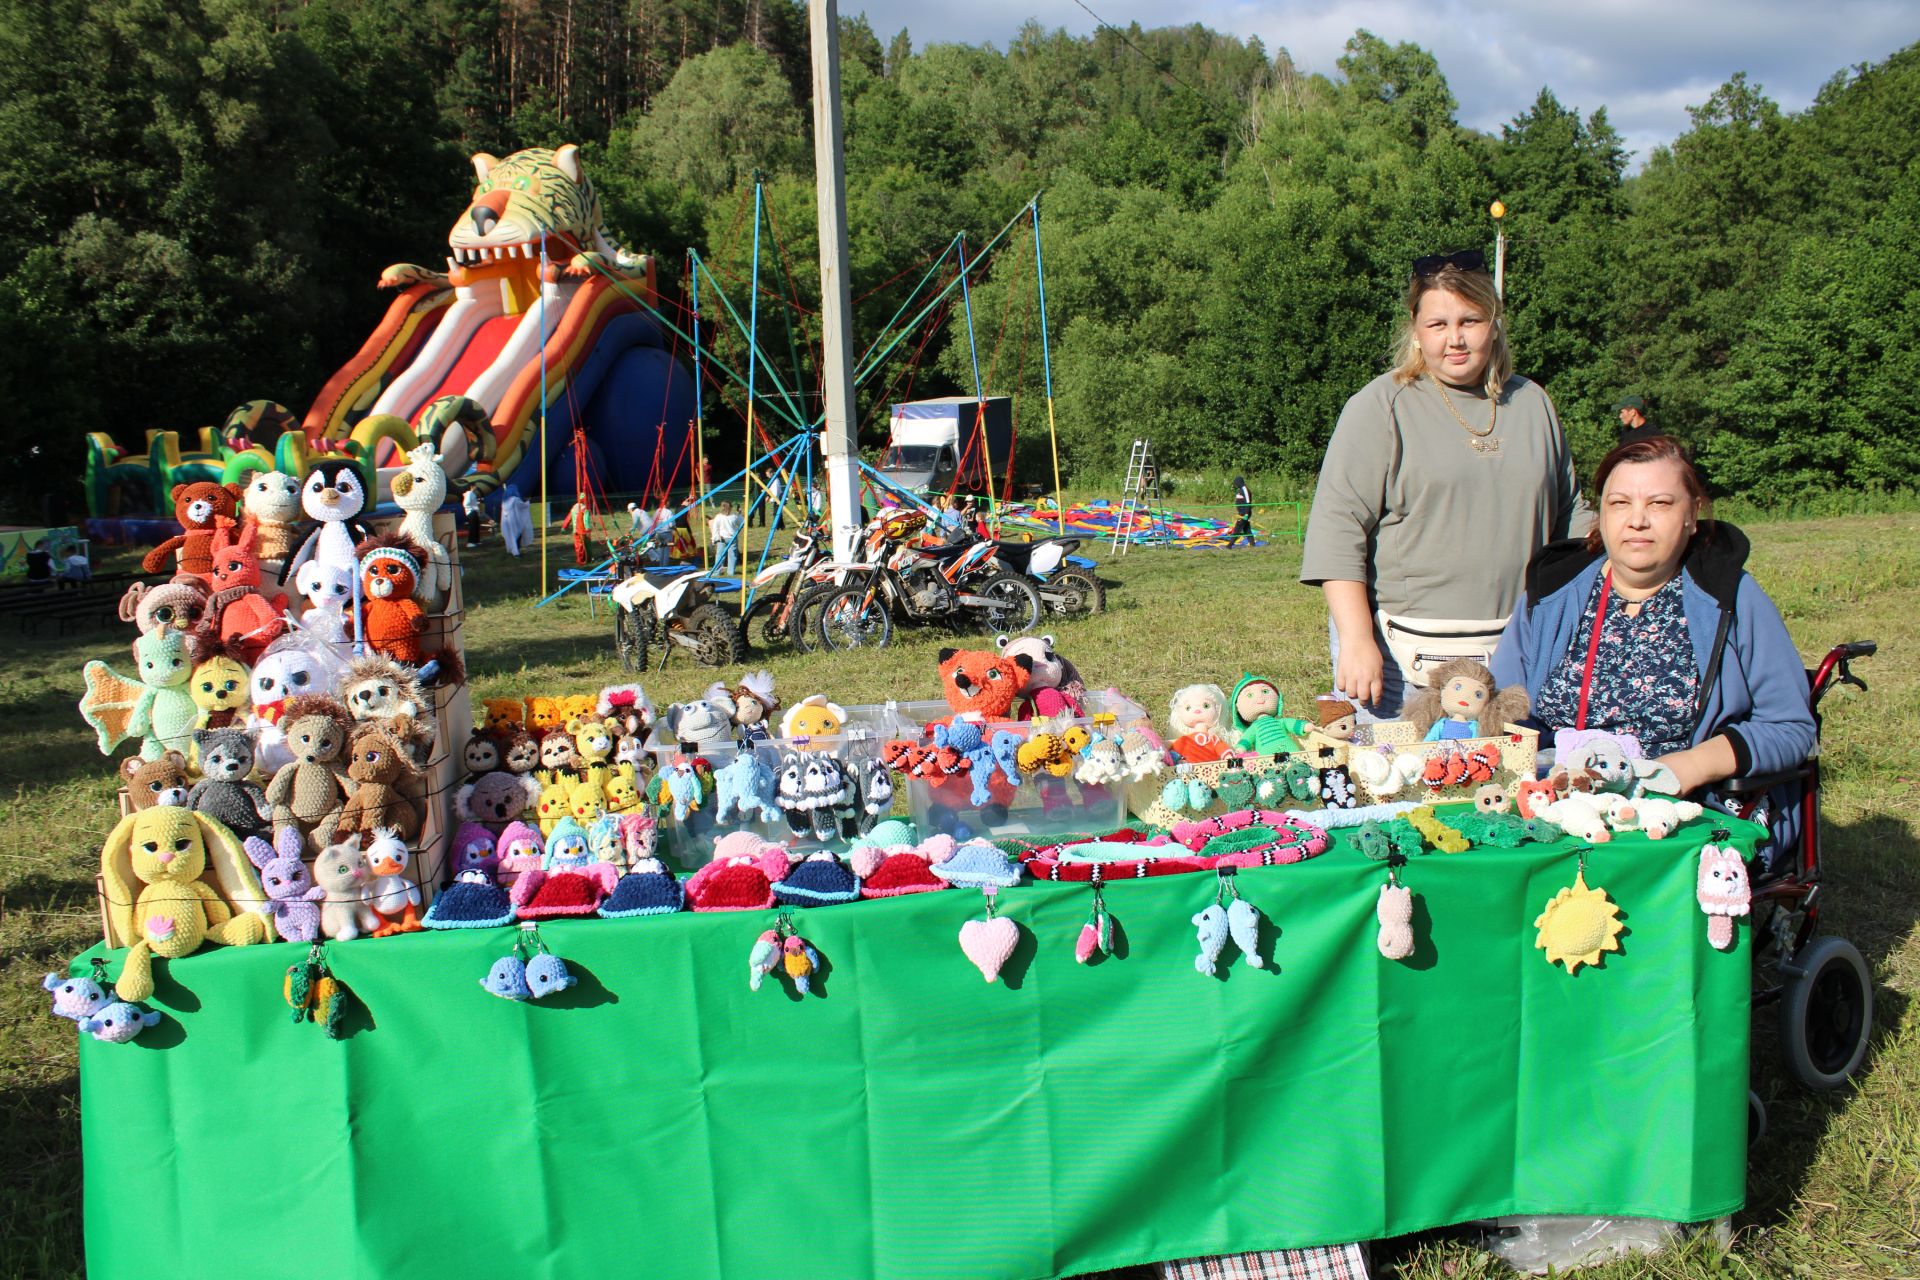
781,949
1723,890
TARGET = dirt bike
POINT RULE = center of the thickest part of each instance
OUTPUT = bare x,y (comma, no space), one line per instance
777,588
963,584
1066,582
676,603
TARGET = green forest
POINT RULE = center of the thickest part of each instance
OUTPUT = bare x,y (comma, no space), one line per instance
200,193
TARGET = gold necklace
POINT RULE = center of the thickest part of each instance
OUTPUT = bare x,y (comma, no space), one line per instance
1478,439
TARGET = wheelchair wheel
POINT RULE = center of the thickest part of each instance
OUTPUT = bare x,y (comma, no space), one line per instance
1756,1119
1826,1014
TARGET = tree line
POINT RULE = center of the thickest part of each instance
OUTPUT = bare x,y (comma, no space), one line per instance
200,192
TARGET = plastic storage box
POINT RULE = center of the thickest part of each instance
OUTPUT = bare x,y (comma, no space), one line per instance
1042,805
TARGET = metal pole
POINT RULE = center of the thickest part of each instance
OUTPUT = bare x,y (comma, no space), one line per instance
836,304
1046,365
699,406
753,349
979,394
546,509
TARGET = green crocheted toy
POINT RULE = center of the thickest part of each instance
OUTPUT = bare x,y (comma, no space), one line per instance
156,708
1258,718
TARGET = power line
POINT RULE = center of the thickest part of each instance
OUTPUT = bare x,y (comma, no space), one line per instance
1165,69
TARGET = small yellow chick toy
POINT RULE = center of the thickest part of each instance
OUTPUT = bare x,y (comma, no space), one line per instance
813,717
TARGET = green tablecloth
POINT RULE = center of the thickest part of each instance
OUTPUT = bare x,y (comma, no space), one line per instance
662,1120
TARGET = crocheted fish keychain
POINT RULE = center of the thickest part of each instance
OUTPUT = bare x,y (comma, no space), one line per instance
530,971
315,995
781,949
1096,935
1229,917
989,943
1723,889
1578,924
90,1003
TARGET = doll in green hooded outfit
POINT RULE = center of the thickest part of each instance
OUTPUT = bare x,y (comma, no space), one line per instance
1258,721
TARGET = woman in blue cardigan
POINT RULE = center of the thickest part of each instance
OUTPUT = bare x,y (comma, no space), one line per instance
1651,626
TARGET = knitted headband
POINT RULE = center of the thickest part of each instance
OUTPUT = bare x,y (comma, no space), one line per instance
391,553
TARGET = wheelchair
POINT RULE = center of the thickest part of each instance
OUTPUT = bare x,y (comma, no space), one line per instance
1820,983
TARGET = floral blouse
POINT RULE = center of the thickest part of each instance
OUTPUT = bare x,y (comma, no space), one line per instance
1645,676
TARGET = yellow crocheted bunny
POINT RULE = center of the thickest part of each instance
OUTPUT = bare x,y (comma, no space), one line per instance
174,879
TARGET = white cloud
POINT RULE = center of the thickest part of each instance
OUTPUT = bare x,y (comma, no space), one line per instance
1646,61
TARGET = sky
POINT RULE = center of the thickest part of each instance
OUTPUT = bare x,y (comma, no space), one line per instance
1646,61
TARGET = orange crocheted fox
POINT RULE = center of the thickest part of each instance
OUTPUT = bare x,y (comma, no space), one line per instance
389,570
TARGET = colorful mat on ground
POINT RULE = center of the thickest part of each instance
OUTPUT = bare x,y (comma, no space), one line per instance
1160,527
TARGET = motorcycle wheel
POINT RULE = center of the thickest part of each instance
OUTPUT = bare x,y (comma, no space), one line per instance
848,620
1016,605
765,626
1081,594
803,619
630,638
717,641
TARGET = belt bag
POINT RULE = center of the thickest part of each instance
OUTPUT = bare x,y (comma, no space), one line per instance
1423,645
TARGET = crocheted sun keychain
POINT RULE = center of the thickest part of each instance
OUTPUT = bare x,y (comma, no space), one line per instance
781,949
1229,916
1579,924
1723,888
989,943
315,995
1096,935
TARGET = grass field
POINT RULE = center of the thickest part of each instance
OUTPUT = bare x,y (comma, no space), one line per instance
1834,1188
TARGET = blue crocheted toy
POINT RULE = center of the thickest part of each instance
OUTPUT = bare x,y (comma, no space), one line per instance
473,901
547,975
647,890
744,786
119,1022
508,979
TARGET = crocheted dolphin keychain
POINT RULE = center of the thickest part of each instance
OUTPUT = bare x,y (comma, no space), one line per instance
90,1003
530,971
1096,935
781,949
989,943
315,995
1229,916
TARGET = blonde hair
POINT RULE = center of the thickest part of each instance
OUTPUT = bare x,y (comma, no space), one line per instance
1477,288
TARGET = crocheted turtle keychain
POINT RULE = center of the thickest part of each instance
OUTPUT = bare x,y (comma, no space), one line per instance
315,995
781,949
1096,935
1230,916
989,943
1579,925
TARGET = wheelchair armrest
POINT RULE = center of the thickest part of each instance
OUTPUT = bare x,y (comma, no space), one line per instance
1758,783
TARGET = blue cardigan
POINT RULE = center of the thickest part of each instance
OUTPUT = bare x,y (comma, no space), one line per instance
1753,684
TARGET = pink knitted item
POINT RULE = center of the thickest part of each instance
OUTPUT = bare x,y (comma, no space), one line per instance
900,873
741,875
520,847
988,943
549,895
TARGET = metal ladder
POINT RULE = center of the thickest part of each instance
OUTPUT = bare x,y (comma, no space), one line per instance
1140,493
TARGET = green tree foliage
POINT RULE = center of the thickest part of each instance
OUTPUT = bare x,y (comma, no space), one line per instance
723,115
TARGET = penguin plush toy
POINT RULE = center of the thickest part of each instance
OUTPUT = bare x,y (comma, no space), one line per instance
333,495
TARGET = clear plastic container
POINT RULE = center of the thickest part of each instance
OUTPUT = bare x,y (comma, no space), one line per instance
1042,805
687,842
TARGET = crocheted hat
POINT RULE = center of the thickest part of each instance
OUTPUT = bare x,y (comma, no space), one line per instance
818,881
648,890
469,904
900,873
977,864
894,833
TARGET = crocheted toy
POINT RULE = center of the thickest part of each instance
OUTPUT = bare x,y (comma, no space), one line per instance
507,979
813,717
225,792
1243,924
520,753
592,747
1335,722
1723,889
1336,787
681,784
472,901
1395,913
1461,700
876,792
741,875
1257,720
496,799
1435,832
218,688
751,704
966,739
1491,797
1054,686
559,758
293,899
76,998
1530,796
745,789
157,708
119,1022
243,619
547,975
1194,721
553,805
1102,762
1384,771
801,962
342,871
586,802
989,943
1613,762
151,782
328,591
479,755
174,879
820,879
569,882
315,995
332,495
815,793
177,604
418,490
763,959
1140,756
394,897
983,686
271,503
623,794
1211,924
293,665
628,706
700,725
392,618
1579,815
473,850
376,689
310,791
639,836
648,889
1656,815
1578,925
201,508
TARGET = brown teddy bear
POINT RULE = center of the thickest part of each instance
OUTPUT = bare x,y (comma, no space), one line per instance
309,791
377,761
201,508
156,782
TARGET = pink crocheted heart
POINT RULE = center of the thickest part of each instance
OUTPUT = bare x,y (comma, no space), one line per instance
988,943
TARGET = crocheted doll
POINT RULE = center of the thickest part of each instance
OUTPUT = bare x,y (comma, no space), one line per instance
1054,686
1335,722
245,620
219,689
1462,701
377,762
389,572
1194,721
1257,718
753,701
201,508
310,791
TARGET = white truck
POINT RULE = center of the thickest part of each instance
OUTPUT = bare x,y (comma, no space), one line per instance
936,443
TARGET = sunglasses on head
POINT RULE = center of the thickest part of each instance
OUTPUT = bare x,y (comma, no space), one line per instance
1434,263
